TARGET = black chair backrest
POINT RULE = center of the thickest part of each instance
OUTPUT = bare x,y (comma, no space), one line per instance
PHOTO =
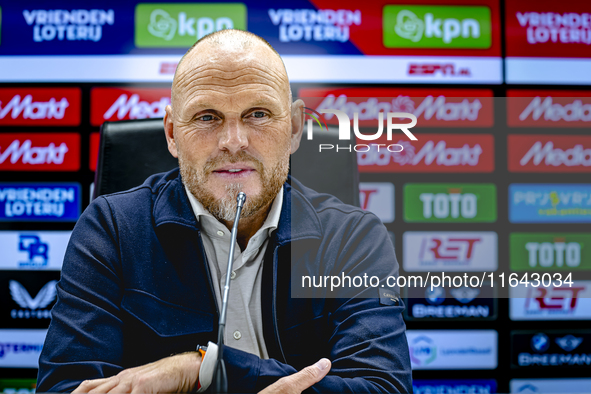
132,150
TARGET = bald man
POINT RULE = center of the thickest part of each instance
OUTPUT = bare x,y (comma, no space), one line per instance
141,282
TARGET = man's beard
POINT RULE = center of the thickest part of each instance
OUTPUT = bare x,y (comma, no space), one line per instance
224,209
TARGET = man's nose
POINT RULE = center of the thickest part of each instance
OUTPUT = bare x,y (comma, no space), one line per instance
233,137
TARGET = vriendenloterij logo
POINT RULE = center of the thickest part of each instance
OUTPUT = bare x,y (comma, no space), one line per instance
179,25
345,129
429,26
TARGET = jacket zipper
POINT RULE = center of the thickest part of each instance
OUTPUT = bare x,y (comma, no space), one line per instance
274,304
208,274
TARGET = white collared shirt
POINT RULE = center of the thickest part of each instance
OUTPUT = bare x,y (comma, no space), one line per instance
244,322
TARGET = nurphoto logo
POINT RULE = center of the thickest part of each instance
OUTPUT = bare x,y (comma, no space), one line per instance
392,123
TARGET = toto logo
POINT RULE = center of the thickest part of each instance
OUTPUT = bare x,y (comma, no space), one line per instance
345,129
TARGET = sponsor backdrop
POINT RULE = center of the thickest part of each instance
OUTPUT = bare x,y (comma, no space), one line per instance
498,179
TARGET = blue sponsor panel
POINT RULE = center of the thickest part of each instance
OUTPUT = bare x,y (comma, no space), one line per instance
454,386
107,27
550,203
40,202
66,27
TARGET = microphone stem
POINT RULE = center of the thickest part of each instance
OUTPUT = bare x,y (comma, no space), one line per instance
220,379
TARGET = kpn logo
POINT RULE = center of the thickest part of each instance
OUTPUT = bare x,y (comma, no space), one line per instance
179,25
426,26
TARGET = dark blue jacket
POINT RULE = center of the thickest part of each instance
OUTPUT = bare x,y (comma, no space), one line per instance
135,288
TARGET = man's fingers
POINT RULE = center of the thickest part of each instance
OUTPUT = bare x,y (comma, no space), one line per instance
88,385
106,386
299,381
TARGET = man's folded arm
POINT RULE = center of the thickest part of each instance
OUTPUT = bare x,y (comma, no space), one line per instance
85,320
366,339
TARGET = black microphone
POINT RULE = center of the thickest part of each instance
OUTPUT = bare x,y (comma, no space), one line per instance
220,378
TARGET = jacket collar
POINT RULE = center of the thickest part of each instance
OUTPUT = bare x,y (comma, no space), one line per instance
298,218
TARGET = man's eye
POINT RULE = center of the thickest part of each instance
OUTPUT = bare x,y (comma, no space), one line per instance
206,118
259,114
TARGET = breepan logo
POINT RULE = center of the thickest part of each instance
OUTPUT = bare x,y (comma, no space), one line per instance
429,26
345,129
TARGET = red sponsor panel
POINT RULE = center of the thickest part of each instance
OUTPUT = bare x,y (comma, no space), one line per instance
95,139
111,104
39,106
39,152
549,153
432,107
546,28
548,108
458,153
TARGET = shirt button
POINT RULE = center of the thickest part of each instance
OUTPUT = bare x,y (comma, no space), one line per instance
220,233
232,274
237,335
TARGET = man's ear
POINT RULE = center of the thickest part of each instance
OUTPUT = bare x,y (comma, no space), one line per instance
297,124
169,132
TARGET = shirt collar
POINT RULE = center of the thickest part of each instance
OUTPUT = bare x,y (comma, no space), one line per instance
270,224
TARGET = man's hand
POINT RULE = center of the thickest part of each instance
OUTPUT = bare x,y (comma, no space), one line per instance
174,374
299,381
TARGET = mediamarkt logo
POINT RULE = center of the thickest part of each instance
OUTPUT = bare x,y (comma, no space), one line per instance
564,108
40,151
40,106
432,107
433,153
549,153
112,104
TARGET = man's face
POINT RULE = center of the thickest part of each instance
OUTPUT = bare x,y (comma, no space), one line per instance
232,127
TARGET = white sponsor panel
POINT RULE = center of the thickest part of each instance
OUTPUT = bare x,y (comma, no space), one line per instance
378,197
33,249
451,251
301,68
453,349
551,302
556,385
21,348
547,71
